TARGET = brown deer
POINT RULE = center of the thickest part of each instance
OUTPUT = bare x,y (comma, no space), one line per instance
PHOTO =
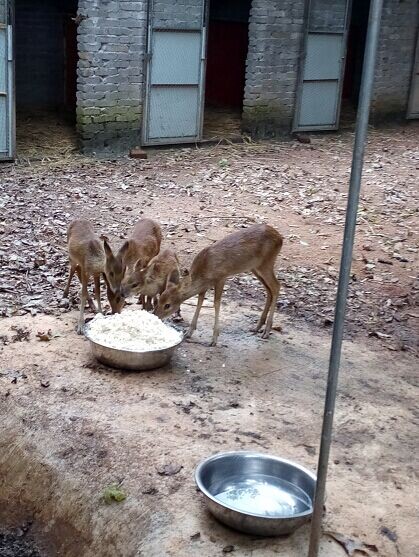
253,249
152,280
141,246
87,259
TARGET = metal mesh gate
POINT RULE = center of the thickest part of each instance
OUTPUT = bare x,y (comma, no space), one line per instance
6,84
413,108
175,72
321,74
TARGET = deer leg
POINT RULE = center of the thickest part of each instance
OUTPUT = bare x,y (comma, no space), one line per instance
218,292
97,293
268,302
272,282
89,299
84,296
194,321
70,276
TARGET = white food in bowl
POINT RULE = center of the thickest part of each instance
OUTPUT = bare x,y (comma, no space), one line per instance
135,330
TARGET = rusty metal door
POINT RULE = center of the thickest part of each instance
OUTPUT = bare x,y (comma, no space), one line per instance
175,72
413,106
7,105
319,90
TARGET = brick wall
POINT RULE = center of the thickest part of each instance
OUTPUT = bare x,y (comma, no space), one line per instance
275,45
395,59
112,46
275,41
112,42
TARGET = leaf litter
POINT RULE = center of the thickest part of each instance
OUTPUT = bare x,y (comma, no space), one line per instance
199,195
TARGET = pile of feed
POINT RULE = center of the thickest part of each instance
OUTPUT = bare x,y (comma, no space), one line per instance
135,330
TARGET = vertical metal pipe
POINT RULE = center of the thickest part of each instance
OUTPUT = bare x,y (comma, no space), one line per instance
345,267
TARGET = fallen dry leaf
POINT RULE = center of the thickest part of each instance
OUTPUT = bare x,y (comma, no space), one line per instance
392,536
169,469
351,545
44,337
195,537
22,333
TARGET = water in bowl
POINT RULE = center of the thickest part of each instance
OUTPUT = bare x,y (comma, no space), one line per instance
264,495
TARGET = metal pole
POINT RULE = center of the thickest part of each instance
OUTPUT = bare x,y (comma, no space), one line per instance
345,268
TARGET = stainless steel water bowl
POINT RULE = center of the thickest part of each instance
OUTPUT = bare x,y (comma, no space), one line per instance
130,359
256,493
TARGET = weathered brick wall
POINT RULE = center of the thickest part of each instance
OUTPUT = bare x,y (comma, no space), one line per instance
323,17
395,59
166,14
112,46
112,42
275,46
275,42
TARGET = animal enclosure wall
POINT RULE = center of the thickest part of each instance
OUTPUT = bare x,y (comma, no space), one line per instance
396,50
112,50
112,47
276,33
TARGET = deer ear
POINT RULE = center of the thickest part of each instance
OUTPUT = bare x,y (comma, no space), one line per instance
173,278
108,249
139,265
124,248
156,268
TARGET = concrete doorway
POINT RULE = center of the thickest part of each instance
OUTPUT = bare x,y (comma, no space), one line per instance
228,40
45,77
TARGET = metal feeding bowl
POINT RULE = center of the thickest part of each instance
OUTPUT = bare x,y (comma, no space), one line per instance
130,359
255,493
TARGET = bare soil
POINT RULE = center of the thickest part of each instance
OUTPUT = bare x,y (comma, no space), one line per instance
71,427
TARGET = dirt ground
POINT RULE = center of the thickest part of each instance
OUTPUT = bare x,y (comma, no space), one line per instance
199,195
71,427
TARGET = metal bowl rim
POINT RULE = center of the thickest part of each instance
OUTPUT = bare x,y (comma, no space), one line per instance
204,490
128,351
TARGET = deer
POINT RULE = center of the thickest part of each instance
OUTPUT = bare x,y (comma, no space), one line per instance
153,279
87,259
141,246
253,249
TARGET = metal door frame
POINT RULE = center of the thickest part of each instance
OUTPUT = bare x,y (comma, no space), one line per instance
300,82
147,85
10,81
415,70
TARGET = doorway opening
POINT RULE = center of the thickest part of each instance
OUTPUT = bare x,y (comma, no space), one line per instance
357,34
228,40
46,77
